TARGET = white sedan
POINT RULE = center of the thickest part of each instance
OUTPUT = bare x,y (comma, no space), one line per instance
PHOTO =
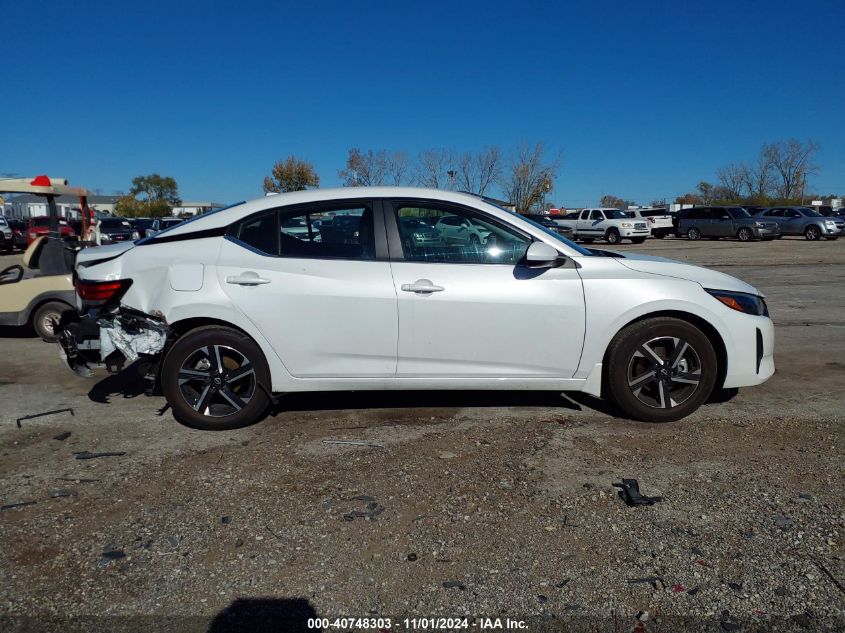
232,310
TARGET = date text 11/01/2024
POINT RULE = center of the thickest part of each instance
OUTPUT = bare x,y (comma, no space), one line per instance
416,624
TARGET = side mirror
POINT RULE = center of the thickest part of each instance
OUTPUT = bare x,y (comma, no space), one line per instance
542,254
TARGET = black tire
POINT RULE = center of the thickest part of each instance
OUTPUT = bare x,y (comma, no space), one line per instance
628,360
832,238
587,240
694,234
637,240
612,236
659,236
812,233
44,316
745,234
218,382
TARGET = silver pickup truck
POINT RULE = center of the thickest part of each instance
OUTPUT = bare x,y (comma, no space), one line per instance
611,225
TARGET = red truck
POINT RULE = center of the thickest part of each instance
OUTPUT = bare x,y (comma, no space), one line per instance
40,225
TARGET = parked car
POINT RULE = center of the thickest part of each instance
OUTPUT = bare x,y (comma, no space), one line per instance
6,237
611,225
461,230
803,221
232,314
159,224
548,222
116,230
717,222
141,225
830,212
417,234
658,220
18,228
40,225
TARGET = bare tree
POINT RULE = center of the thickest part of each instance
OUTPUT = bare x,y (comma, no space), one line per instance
476,172
364,169
396,167
435,168
615,202
733,180
792,162
758,185
706,191
529,176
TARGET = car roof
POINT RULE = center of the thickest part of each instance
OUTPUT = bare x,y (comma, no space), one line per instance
225,217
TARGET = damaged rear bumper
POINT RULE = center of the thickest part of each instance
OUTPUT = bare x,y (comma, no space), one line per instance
112,339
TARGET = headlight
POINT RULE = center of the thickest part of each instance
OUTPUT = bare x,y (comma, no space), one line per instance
105,237
741,301
626,225
759,225
136,235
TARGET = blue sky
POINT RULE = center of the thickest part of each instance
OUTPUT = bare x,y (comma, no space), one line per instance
642,100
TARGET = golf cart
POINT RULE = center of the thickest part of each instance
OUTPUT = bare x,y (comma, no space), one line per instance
41,297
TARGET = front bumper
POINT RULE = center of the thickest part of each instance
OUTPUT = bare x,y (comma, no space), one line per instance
751,360
764,232
634,232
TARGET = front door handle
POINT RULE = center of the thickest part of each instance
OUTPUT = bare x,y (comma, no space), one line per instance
422,286
248,278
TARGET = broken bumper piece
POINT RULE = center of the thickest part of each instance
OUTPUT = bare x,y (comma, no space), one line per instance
111,339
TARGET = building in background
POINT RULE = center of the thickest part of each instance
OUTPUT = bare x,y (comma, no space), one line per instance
29,205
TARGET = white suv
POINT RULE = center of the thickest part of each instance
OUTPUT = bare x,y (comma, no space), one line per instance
233,309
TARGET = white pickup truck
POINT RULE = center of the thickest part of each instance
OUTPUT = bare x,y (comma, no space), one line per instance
612,225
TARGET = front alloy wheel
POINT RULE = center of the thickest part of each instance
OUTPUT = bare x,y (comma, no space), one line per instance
613,236
660,369
745,234
216,378
812,233
694,234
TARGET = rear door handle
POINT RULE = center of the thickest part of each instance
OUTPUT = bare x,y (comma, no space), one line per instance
248,278
422,286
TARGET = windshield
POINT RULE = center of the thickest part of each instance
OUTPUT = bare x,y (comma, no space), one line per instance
738,212
616,214
810,213
114,224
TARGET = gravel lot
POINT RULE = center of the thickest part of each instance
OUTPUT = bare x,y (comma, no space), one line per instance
478,505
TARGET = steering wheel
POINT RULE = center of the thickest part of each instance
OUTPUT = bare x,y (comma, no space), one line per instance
8,272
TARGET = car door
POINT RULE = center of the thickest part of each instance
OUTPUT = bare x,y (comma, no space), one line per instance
776,216
323,298
793,222
475,310
721,223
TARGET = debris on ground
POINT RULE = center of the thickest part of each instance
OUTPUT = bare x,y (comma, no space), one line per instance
56,494
374,508
454,584
412,557
61,437
354,443
175,540
90,455
78,480
655,581
20,504
630,493
41,415
110,553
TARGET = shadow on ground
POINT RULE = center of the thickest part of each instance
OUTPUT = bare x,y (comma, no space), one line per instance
257,615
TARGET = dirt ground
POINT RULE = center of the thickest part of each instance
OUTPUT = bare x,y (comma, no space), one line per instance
478,505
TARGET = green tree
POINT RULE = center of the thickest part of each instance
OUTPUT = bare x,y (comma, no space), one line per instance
151,196
291,174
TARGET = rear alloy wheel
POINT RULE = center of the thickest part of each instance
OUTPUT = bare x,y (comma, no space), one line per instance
693,234
44,318
612,236
216,378
745,234
812,233
660,369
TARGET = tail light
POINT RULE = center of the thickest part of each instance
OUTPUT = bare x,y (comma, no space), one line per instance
101,291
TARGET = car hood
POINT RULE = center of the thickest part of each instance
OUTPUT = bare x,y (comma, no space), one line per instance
100,253
708,278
